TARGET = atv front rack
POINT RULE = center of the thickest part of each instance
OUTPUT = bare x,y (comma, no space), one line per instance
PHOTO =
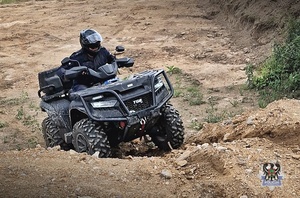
140,95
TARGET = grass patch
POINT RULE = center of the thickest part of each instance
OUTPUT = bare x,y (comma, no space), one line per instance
186,88
3,124
173,70
14,101
12,1
196,125
27,111
27,119
32,142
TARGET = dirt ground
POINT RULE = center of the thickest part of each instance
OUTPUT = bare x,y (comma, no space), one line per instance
210,41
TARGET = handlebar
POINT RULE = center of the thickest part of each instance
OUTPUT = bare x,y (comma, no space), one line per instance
124,62
103,73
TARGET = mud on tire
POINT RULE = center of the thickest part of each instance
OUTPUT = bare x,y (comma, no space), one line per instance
51,135
90,138
169,132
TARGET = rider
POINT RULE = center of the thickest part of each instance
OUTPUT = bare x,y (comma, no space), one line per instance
91,55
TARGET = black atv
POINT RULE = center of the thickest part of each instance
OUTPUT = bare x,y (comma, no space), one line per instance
112,111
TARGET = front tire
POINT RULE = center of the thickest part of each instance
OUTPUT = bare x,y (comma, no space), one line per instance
169,131
90,138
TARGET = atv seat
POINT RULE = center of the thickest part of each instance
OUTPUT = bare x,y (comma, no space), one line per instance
51,85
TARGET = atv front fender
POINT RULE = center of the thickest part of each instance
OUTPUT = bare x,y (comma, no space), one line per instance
77,111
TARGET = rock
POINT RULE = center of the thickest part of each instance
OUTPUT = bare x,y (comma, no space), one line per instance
55,148
96,154
205,145
226,137
277,154
241,162
189,177
166,174
259,150
184,156
215,144
72,152
221,148
227,122
192,170
246,50
297,157
249,121
182,163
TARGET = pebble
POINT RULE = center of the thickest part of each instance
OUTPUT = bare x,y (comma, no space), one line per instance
249,121
226,137
166,174
182,163
297,157
205,145
72,152
221,148
96,154
184,156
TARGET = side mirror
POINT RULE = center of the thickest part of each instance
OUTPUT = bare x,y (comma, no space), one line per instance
120,49
70,62
65,60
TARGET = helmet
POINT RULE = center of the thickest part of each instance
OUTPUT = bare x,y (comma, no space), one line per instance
90,41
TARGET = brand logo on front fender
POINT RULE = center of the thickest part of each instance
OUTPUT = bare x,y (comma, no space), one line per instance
138,101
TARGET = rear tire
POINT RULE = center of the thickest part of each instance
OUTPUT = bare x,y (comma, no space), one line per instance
51,135
90,138
169,131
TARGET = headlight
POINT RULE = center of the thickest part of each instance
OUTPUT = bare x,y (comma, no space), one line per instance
104,104
97,97
158,85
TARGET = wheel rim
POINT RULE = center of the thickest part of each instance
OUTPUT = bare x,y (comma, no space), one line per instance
83,145
162,135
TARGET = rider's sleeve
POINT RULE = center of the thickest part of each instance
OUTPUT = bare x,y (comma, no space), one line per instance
77,56
61,72
109,56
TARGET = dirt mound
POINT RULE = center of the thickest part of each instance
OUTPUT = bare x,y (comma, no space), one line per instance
207,170
279,122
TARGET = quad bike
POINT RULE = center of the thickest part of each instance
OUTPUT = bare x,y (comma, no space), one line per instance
112,111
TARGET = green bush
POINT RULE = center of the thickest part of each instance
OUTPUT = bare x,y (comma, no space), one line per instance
279,74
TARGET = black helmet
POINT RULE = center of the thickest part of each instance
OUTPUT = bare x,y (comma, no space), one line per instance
90,41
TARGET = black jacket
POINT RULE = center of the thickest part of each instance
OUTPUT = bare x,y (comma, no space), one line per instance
101,58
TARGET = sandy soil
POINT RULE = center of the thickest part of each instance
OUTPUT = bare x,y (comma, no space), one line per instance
210,42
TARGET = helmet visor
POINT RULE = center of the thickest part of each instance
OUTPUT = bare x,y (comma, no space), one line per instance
94,45
94,38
